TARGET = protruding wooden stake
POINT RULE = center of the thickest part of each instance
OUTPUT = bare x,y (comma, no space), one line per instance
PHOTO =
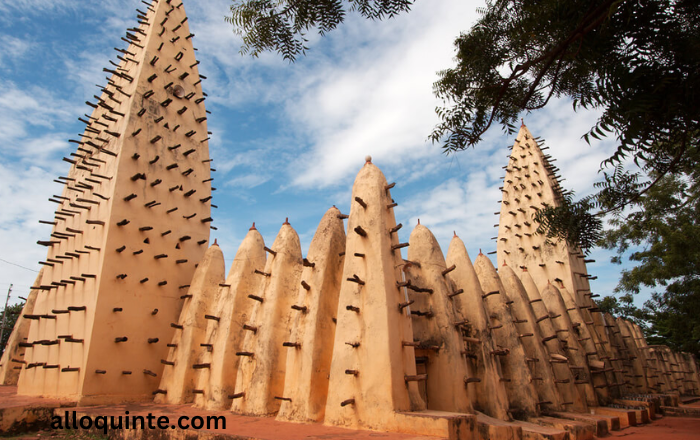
356,279
361,232
405,304
201,366
455,293
448,270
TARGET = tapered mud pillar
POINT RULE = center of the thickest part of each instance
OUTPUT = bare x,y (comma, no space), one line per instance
313,323
656,380
530,183
440,356
691,366
624,366
607,350
637,357
552,298
554,379
522,394
570,391
132,222
487,390
598,365
179,378
224,336
373,370
13,357
261,371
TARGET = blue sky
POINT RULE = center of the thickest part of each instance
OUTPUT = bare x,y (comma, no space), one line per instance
287,139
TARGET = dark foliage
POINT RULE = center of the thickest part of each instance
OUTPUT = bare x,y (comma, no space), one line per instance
638,62
281,26
10,320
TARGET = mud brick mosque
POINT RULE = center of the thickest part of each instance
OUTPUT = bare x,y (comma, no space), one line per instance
134,305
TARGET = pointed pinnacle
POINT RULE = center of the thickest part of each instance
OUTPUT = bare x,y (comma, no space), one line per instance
252,228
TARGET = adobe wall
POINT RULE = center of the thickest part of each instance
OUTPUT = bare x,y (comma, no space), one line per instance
132,223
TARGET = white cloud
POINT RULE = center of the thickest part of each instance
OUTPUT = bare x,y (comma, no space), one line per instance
301,128
12,48
247,181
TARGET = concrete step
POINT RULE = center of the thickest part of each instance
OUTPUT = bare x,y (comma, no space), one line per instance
603,424
489,428
649,406
681,411
532,431
626,417
578,430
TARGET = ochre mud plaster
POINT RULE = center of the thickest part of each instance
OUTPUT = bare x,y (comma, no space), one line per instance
129,305
435,325
597,360
638,359
132,222
487,390
517,374
552,298
313,323
184,360
225,335
261,370
13,356
373,337
531,183
573,397
534,342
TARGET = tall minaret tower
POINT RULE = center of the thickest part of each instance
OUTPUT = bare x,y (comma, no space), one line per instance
132,223
531,183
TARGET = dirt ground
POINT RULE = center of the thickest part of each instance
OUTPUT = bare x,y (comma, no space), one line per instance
667,428
56,435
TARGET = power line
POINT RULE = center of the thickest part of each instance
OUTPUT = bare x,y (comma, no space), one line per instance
14,264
